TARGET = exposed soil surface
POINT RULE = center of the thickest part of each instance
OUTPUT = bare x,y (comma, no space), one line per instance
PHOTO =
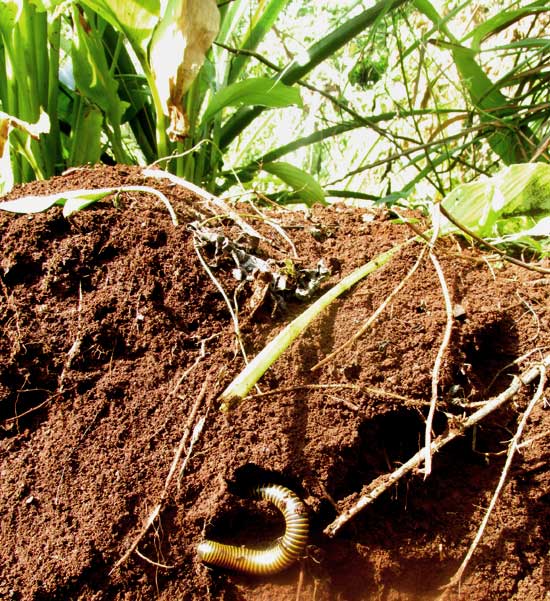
116,344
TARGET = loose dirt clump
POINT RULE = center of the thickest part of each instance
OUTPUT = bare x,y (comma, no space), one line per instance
116,344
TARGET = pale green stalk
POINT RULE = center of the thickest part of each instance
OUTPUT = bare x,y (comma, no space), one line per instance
247,379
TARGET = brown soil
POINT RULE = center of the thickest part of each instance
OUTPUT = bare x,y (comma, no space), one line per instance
112,332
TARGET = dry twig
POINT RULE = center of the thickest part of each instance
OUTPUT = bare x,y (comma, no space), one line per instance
384,482
173,468
455,580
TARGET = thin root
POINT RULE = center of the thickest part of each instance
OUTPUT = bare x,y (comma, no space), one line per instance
513,446
386,481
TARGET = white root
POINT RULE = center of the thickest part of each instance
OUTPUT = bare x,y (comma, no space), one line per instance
386,481
513,446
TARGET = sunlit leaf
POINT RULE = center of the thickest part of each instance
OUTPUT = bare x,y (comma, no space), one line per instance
136,19
261,23
256,91
502,20
74,200
9,14
37,204
305,186
85,140
513,204
7,123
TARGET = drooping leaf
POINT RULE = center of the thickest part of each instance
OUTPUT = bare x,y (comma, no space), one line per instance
75,200
7,124
135,18
36,204
92,75
177,51
305,186
502,20
256,91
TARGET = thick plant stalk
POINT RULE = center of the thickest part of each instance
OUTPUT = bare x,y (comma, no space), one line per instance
244,382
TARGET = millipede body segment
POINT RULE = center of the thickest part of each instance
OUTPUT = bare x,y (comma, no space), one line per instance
274,558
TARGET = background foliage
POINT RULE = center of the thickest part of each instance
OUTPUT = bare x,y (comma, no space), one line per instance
390,101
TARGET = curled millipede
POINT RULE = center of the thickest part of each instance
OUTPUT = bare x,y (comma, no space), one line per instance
278,556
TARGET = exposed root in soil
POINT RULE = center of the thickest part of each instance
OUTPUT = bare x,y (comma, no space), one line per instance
372,319
437,364
512,448
383,483
193,428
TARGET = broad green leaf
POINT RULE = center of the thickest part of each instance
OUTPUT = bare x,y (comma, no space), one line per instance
135,18
508,144
92,75
305,186
83,199
9,14
85,141
257,91
513,204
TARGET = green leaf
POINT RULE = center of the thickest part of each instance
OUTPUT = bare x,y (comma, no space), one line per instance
501,21
317,53
8,17
257,91
507,141
261,24
514,204
82,199
135,18
92,75
85,139
305,186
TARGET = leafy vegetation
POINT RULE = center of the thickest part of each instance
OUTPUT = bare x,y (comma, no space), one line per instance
396,102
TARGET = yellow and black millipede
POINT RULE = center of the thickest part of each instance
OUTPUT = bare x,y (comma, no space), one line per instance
278,556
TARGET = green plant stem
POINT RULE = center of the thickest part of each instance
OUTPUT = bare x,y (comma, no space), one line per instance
247,379
52,139
161,136
317,53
